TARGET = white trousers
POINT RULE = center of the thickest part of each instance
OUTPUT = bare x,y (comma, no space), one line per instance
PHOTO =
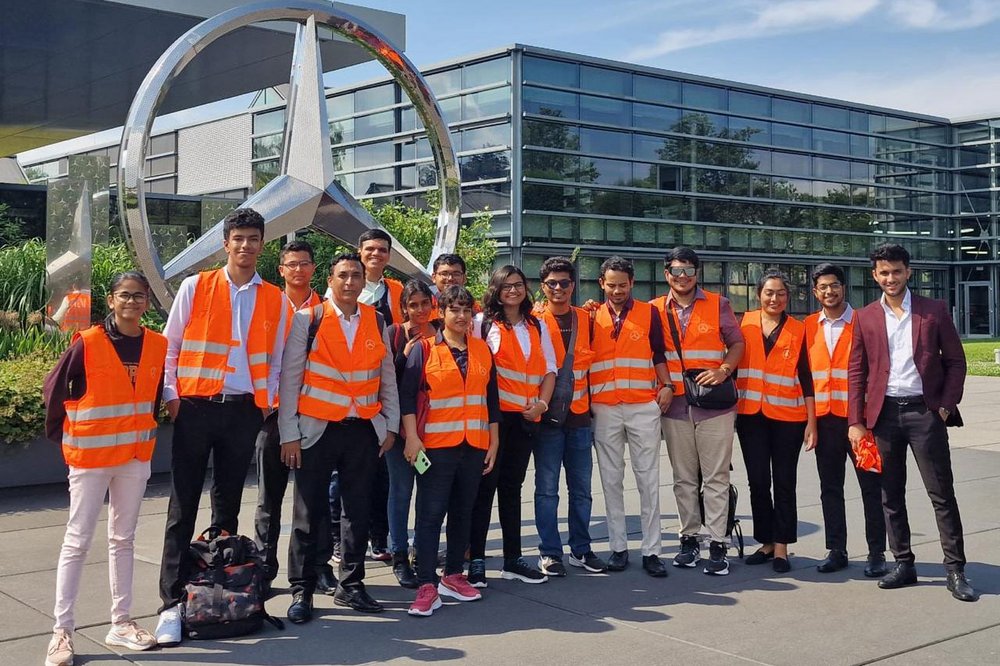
638,427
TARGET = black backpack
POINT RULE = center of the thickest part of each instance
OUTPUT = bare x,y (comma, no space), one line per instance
733,528
224,594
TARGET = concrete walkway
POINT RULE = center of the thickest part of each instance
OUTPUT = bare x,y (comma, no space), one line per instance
750,616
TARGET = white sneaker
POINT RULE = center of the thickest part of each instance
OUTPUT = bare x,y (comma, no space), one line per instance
130,635
168,629
60,652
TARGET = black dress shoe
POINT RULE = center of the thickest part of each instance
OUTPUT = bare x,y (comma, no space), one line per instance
959,586
759,557
358,599
618,561
835,561
326,582
904,574
781,565
301,609
403,571
876,566
652,565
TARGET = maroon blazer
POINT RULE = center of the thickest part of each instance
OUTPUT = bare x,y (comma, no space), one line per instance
937,352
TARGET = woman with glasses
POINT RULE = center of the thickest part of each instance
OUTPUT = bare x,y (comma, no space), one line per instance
101,399
526,371
776,413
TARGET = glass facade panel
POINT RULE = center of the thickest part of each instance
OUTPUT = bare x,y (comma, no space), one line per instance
705,97
373,154
375,97
552,72
831,116
791,136
486,137
164,143
486,103
485,73
605,142
786,109
603,80
749,103
551,102
375,125
648,116
655,89
604,110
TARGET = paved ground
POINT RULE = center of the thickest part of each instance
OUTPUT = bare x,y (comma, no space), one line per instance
753,615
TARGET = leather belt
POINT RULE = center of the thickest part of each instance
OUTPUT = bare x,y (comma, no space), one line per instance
350,420
905,400
226,397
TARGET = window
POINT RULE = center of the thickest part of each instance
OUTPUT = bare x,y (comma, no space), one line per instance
373,154
487,103
164,143
553,72
374,98
339,106
342,131
446,82
604,141
754,131
705,97
791,164
485,73
831,116
786,109
377,124
603,110
485,166
551,103
267,146
610,81
831,142
486,137
551,135
749,103
655,89
791,136
662,118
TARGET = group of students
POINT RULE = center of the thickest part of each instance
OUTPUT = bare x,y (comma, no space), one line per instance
326,386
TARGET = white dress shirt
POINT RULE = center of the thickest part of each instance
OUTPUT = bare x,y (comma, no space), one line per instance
523,335
904,380
242,300
833,328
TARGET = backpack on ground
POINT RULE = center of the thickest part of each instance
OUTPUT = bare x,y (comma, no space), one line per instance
224,594
733,528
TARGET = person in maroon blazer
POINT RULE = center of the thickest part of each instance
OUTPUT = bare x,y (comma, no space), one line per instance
905,380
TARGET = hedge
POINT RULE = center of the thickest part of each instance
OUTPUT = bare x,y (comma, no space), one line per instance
22,411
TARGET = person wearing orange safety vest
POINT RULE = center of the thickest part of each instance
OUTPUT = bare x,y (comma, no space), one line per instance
101,400
526,371
829,336
226,332
339,411
564,438
699,440
448,269
775,415
629,390
74,311
296,265
460,438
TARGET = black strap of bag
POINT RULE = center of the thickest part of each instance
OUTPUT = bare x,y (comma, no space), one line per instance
719,396
562,394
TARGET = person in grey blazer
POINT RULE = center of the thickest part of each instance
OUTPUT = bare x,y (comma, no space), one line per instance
338,410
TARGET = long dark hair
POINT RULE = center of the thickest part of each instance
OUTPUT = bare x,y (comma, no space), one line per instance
493,306
409,289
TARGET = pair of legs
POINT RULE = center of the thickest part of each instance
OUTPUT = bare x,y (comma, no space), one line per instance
401,479
636,426
558,448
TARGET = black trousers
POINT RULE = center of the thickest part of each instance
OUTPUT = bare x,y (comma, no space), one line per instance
832,453
272,482
350,447
227,432
771,454
378,528
517,439
448,487
916,427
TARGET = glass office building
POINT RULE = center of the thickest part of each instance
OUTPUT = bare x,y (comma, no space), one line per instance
575,152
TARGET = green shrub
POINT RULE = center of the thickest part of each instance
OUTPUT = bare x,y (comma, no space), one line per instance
22,412
18,342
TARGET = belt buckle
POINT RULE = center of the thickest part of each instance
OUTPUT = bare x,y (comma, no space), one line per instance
218,397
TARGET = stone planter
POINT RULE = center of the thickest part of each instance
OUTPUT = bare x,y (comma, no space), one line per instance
40,461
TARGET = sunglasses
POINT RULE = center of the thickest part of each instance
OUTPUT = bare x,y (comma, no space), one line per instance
687,271
561,284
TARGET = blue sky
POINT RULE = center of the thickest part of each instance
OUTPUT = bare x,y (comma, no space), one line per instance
940,57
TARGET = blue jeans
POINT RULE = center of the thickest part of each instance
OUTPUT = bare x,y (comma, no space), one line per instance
401,476
556,448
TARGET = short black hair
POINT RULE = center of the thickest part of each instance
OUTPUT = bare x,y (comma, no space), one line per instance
890,252
772,274
374,234
619,264
829,269
243,218
448,259
685,254
346,256
557,265
455,295
296,246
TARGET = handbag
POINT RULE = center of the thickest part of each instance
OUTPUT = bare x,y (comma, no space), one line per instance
562,394
866,455
717,396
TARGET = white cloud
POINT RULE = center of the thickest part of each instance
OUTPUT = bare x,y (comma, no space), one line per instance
933,15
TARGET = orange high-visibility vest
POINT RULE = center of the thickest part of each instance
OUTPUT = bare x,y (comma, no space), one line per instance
582,356
518,378
394,289
829,373
701,344
458,411
622,371
311,302
77,315
771,384
113,422
203,360
337,377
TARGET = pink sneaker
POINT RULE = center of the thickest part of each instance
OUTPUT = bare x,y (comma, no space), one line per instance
427,601
457,586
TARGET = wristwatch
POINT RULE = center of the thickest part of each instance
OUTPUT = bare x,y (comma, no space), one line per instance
726,368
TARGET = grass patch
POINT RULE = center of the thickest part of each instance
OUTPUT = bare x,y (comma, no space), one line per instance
979,354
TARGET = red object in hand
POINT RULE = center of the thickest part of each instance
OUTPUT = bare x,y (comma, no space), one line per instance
866,454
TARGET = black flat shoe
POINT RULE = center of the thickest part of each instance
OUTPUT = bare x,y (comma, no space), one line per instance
904,574
652,565
835,561
326,582
781,565
618,561
403,572
358,599
875,568
959,586
301,610
759,557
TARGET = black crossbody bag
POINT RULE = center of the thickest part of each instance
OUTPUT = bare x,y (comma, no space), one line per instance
718,396
562,394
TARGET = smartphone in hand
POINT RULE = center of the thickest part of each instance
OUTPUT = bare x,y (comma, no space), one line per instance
422,463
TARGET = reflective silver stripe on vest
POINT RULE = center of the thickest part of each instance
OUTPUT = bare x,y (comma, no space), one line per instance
749,373
199,372
204,346
780,380
839,374
621,385
840,395
258,359
475,400
746,394
326,396
602,365
579,374
513,397
674,356
260,384
784,402
445,426
579,394
820,375
633,363
102,441
476,424
822,396
447,403
515,376
110,412
704,355
330,372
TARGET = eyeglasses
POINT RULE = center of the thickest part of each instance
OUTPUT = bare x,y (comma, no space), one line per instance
450,275
561,284
830,286
513,286
296,265
138,297
687,271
